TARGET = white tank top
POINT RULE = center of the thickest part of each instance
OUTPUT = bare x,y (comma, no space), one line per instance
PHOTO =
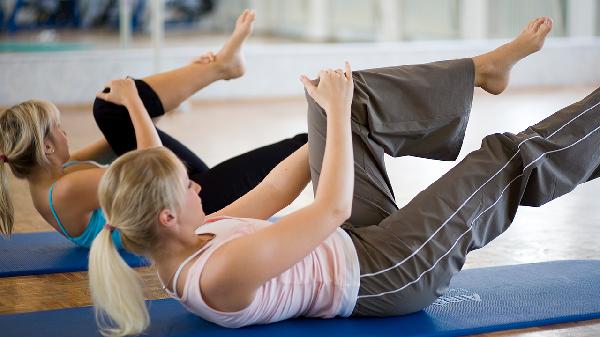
324,284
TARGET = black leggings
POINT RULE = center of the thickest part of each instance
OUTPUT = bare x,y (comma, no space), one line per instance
222,184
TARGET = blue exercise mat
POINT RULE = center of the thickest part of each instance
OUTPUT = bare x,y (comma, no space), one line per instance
479,301
46,253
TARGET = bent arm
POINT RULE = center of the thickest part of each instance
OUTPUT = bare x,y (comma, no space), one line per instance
124,92
279,188
238,268
145,131
273,250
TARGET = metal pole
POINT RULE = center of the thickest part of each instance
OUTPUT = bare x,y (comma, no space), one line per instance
474,19
581,17
318,26
125,23
158,32
390,26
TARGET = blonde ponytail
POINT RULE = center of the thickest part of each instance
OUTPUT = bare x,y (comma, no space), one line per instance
7,211
116,290
23,129
132,192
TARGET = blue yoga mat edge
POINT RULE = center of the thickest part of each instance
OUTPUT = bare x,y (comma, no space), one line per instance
525,325
565,292
46,253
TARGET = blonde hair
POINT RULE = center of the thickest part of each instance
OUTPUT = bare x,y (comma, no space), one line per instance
133,191
23,128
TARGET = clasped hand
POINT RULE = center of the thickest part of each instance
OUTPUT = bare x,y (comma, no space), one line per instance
119,91
334,90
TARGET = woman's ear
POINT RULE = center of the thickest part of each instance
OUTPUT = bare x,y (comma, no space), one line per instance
48,147
167,218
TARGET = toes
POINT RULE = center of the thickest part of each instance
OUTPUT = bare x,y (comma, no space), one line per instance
246,17
543,27
538,22
242,17
546,26
250,15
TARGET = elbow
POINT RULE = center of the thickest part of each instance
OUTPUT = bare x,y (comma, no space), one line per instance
345,208
144,145
346,213
341,217
337,211
341,212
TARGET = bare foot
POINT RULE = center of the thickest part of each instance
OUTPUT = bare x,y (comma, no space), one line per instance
230,58
492,70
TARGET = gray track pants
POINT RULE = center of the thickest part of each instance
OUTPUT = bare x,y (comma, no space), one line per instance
408,256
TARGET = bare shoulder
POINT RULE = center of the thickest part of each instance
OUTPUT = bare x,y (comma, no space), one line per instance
70,184
79,189
220,288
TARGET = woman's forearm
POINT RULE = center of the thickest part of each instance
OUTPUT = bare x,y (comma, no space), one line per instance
279,188
290,177
145,131
336,182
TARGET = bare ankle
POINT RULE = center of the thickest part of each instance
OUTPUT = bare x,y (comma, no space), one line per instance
230,69
480,70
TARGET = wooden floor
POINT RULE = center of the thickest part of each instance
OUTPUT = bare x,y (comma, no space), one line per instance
567,228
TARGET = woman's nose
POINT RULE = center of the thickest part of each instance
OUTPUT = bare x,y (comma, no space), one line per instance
197,187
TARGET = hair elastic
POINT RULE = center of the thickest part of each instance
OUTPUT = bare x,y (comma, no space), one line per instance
109,227
3,158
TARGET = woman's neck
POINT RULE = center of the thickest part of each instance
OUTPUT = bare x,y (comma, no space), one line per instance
171,255
42,176
173,252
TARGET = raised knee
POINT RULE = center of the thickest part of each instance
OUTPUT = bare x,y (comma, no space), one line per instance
106,112
100,109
